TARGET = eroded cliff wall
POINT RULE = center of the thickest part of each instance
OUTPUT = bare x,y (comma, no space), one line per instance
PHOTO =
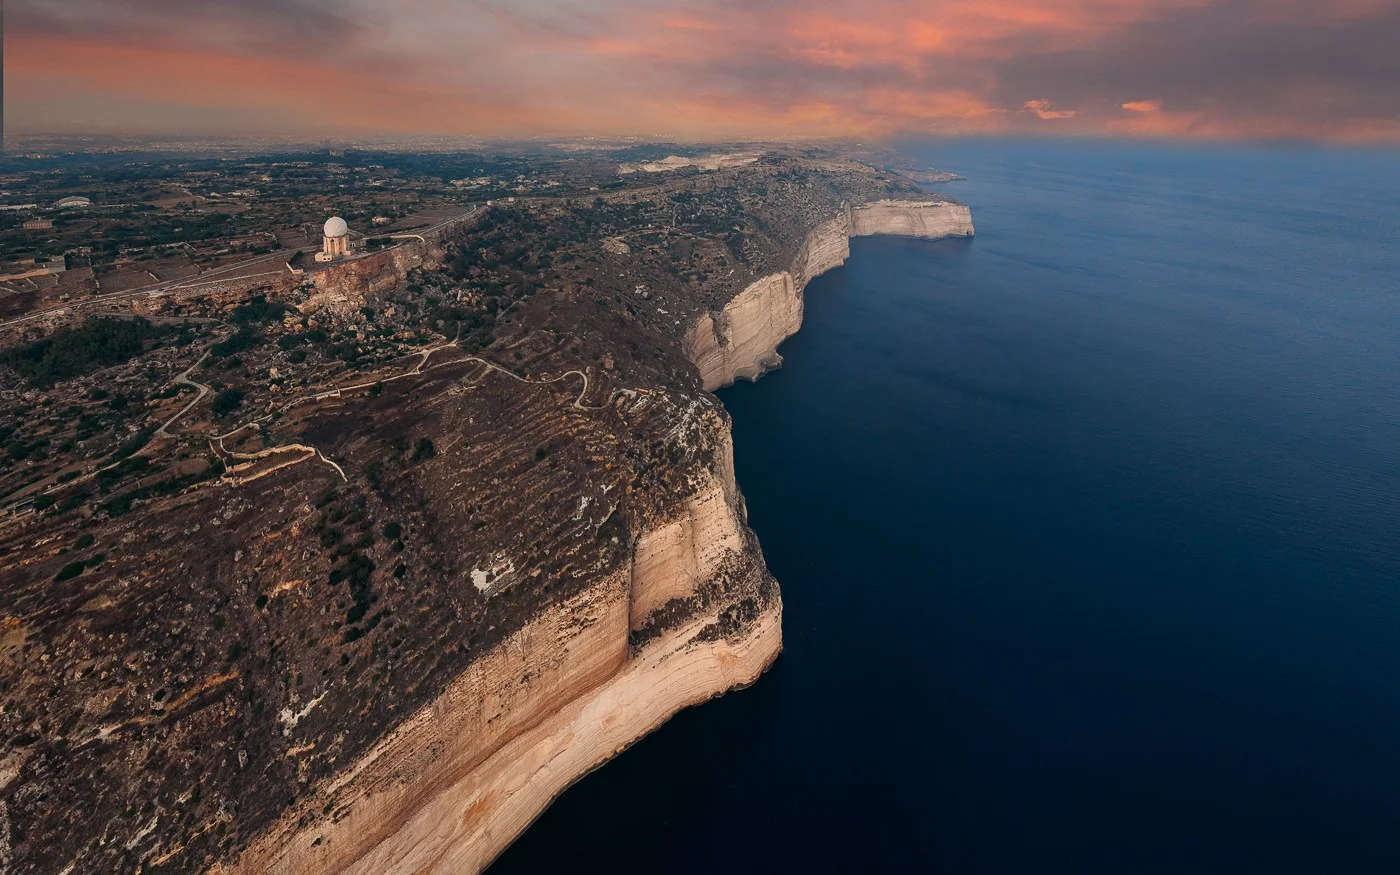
930,220
463,829
671,560
741,341
565,652
349,285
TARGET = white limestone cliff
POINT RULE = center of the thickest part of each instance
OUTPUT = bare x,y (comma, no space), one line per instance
455,784
741,341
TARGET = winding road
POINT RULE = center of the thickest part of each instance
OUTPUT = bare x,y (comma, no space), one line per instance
184,379
578,402
202,391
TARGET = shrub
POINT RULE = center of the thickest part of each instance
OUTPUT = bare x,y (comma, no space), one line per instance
134,445
118,505
258,309
228,401
247,337
132,465
424,450
70,352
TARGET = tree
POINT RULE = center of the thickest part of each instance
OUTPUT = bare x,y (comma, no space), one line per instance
71,352
424,450
228,401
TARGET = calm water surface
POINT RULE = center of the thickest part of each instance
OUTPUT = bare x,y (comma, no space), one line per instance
1089,538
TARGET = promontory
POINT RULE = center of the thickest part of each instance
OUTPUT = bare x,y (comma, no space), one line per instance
355,564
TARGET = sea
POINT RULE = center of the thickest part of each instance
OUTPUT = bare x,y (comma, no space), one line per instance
1088,533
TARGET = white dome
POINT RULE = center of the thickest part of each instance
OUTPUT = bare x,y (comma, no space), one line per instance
336,227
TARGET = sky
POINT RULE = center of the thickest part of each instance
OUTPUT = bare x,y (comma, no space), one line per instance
723,69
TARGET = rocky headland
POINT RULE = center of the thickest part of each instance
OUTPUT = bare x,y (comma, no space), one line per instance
403,612
455,785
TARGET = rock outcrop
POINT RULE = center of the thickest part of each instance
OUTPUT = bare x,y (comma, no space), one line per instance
345,287
741,341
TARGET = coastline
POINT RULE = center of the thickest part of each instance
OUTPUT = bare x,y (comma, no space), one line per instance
457,783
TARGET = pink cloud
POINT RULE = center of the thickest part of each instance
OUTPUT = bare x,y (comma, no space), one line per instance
1045,109
722,68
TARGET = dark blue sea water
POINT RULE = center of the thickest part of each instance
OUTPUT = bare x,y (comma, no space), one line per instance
1089,538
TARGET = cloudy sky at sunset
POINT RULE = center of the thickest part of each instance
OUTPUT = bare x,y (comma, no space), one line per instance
1321,69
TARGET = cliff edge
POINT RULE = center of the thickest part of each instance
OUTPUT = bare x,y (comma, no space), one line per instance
741,340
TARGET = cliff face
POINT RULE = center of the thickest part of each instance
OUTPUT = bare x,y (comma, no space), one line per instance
463,828
346,286
457,783
741,341
929,220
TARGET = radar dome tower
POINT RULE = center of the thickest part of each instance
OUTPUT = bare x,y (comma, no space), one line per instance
336,243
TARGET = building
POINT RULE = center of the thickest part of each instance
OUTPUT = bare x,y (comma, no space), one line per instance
71,203
38,224
31,268
336,240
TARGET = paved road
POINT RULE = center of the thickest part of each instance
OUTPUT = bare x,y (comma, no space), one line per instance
208,277
184,378
168,285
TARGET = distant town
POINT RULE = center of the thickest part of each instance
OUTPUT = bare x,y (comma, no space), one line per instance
76,227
